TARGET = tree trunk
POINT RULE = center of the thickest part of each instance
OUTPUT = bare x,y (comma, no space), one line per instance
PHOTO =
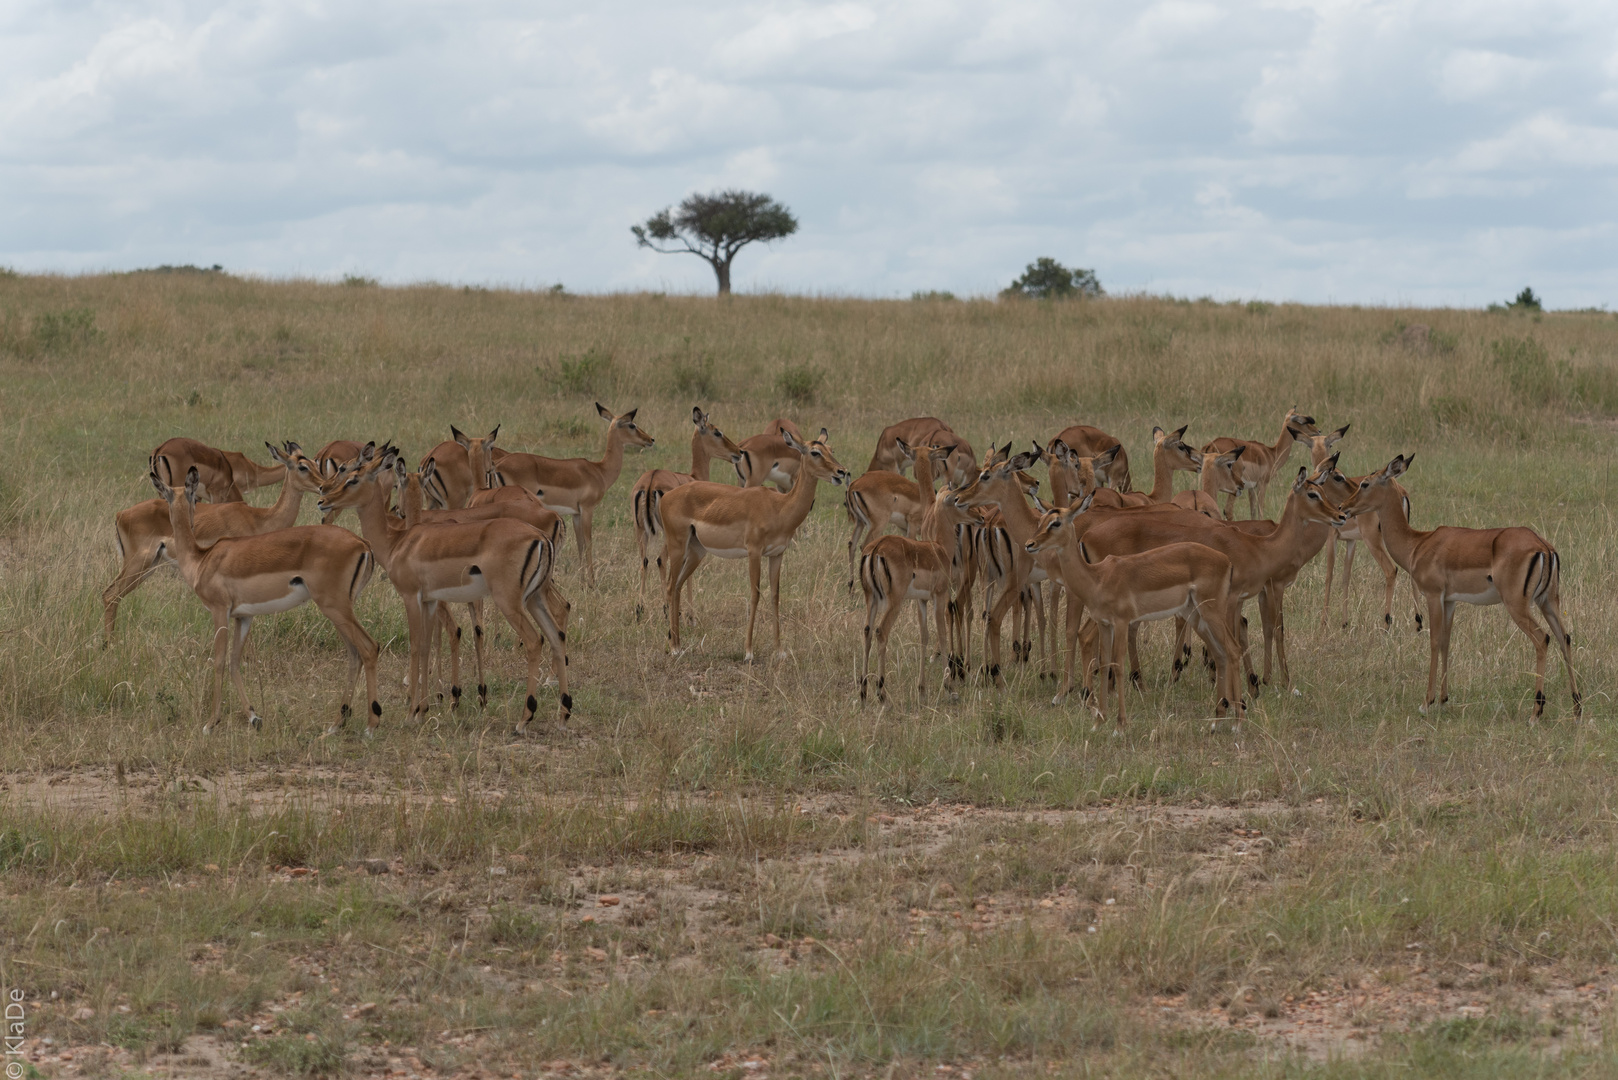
721,269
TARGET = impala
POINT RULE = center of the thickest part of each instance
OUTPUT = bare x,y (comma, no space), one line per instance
1360,529
331,459
241,577
879,499
463,465
143,536
707,444
1169,454
702,519
1450,565
998,485
501,559
1184,580
525,508
889,457
1260,461
1086,441
894,569
1255,560
178,456
575,486
769,458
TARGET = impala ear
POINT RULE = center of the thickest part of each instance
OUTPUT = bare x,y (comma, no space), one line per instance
1158,434
192,482
1038,451
698,417
792,443
1236,454
1331,462
605,415
1059,450
460,439
164,492
1298,434
1181,433
1337,436
493,435
825,436
1303,478
1398,465
1104,459
368,451
903,447
630,415
1084,504
1196,457
401,474
275,453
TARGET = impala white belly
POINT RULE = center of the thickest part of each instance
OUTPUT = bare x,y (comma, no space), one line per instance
914,593
475,589
726,553
778,476
297,593
1491,595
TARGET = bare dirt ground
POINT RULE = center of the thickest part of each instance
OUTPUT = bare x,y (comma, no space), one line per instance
1343,1016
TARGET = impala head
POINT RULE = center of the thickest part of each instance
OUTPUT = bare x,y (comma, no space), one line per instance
719,444
1297,422
625,425
1379,486
992,480
949,511
817,458
1223,465
1181,455
1319,445
1053,528
1313,504
906,451
303,473
478,451
355,482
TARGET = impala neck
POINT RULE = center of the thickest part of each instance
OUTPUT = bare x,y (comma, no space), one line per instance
1283,447
1294,534
481,466
1397,535
1021,521
183,541
1210,475
801,499
284,513
924,476
374,524
1162,475
612,459
410,501
702,456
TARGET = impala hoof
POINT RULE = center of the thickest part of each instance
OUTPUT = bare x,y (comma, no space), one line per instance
207,729
748,659
255,721
368,734
1296,692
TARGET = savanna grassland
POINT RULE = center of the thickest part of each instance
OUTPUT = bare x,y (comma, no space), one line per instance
734,870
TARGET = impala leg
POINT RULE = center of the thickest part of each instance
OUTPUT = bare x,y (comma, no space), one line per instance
1348,576
941,627
854,550
1331,563
1520,608
755,568
240,628
478,638
1134,657
452,630
416,621
1181,651
1075,614
1390,575
884,631
138,565
1438,640
1050,653
1006,597
682,559
1117,642
1037,610
557,639
516,611
222,631
584,537
362,653
1255,499
423,661
1547,607
873,600
775,601
642,543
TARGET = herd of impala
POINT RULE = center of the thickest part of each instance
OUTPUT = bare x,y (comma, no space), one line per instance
476,522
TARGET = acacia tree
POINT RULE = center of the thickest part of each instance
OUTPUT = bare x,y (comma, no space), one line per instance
716,227
1047,279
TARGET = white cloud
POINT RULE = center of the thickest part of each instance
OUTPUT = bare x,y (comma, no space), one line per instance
1436,150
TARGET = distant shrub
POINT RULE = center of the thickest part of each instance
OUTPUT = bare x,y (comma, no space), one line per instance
182,268
695,379
1047,279
799,384
558,289
359,281
1259,307
932,294
584,373
62,330
8,274
1527,301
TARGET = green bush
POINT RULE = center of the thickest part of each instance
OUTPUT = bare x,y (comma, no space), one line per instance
359,281
695,379
932,294
799,384
584,373
63,330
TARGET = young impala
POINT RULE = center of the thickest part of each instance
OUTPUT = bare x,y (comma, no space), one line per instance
1513,566
702,519
240,578
574,487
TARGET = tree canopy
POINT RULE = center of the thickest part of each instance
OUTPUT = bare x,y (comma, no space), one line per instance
1047,279
716,227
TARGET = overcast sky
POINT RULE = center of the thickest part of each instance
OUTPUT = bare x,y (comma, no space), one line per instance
1409,152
